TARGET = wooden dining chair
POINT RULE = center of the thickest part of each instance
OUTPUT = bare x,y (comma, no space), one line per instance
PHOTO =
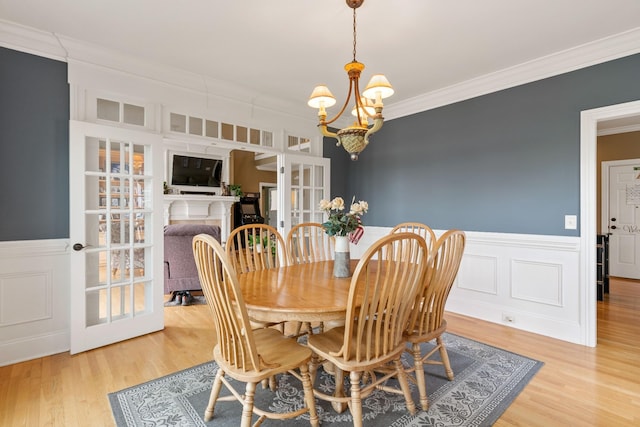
306,243
427,318
416,227
255,247
381,295
244,354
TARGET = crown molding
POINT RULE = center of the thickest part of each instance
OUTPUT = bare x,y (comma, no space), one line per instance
599,51
213,88
50,45
29,40
63,48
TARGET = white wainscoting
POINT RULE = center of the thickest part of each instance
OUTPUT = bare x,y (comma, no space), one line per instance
34,299
528,282
531,280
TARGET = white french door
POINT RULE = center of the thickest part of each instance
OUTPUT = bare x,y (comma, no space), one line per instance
116,223
303,181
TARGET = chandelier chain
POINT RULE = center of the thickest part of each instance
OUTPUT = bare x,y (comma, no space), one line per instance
354,34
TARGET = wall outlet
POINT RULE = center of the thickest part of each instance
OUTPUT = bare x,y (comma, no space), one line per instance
508,318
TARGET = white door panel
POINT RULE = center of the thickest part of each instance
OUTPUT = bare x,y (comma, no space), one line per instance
626,250
116,233
621,216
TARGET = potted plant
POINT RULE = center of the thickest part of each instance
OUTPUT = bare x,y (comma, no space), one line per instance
235,190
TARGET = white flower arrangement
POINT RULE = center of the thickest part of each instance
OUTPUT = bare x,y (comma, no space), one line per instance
342,223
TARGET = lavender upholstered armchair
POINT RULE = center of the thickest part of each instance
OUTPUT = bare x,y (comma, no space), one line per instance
180,272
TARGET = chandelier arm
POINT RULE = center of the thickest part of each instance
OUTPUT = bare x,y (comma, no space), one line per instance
346,102
377,124
326,132
359,105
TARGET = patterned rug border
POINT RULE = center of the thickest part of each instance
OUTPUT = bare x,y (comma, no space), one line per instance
452,403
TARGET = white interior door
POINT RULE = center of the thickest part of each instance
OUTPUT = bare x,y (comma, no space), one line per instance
621,217
116,233
302,182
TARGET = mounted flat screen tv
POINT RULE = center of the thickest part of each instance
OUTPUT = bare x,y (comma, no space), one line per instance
192,173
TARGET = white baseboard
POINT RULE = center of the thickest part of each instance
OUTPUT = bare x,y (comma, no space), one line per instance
32,347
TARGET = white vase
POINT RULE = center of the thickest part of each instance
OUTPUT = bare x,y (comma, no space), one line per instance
342,259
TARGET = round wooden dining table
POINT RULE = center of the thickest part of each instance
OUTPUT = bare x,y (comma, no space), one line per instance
301,292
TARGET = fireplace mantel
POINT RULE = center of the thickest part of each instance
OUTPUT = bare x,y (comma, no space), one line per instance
194,207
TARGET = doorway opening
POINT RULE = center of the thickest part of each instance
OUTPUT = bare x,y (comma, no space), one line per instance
269,200
591,121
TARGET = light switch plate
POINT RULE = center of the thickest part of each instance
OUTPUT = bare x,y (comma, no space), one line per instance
570,222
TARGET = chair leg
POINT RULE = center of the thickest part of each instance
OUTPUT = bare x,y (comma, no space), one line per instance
273,385
309,328
270,383
308,395
356,399
247,405
339,407
419,371
445,358
298,329
213,397
313,367
404,386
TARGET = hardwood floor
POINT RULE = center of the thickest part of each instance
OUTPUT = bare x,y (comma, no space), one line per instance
577,386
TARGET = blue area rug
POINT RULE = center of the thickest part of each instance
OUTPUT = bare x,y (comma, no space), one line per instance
487,380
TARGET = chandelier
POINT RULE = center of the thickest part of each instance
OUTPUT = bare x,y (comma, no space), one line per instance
367,105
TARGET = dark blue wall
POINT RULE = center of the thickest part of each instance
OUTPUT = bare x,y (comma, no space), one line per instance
504,162
34,147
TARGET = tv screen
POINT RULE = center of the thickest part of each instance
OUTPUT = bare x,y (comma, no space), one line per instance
196,171
249,205
249,209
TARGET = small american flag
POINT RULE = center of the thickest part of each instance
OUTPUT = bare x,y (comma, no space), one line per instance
355,235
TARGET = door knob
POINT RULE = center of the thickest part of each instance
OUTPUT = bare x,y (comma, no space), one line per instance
78,247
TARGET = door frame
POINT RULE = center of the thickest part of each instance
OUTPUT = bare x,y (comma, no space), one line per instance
588,207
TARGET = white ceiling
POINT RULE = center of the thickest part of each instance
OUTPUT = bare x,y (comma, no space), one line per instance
283,48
